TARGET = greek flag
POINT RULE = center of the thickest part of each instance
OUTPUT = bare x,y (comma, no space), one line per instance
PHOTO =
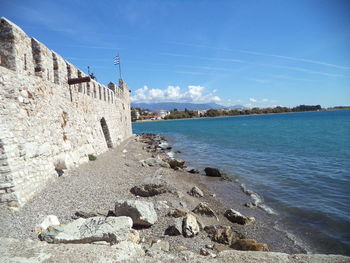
116,60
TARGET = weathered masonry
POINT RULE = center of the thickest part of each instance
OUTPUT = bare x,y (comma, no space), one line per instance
47,125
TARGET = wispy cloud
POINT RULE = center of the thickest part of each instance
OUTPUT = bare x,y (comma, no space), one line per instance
199,57
294,59
300,69
256,53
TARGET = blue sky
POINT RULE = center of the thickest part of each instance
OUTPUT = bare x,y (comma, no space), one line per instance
253,53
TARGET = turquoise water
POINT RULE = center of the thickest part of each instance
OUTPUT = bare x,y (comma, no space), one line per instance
299,163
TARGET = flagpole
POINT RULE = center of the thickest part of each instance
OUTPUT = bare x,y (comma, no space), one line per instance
120,70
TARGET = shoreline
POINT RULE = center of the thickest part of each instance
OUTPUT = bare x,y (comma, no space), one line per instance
196,118
95,186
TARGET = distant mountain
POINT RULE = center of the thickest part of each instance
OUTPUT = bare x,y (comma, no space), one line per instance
181,106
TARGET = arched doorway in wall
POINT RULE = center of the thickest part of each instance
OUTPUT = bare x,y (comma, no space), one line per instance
106,132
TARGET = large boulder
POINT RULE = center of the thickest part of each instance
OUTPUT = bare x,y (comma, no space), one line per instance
213,172
236,217
142,212
176,163
147,190
190,226
222,234
249,244
196,192
109,229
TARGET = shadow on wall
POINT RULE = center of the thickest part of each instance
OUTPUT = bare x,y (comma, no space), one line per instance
106,133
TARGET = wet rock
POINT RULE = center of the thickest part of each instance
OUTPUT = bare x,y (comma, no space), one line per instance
147,190
190,226
236,217
109,229
249,244
176,163
196,192
222,234
192,170
176,228
142,212
161,245
203,209
178,212
50,220
214,172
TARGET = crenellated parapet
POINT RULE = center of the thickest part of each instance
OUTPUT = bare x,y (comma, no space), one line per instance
48,126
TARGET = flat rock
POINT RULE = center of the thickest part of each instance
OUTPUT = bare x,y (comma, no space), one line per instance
249,244
236,217
142,212
196,192
152,189
214,172
109,229
190,226
222,234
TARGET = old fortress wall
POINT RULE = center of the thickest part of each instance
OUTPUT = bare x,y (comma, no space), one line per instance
47,125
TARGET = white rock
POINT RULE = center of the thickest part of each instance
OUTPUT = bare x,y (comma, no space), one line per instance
109,229
50,220
141,212
190,226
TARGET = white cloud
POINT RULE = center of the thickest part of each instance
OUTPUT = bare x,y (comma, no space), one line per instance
252,100
194,94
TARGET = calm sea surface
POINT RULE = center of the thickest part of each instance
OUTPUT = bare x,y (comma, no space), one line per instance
299,163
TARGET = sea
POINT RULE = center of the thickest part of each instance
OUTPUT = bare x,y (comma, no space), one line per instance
298,162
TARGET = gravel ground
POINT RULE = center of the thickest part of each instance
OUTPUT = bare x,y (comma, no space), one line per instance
96,185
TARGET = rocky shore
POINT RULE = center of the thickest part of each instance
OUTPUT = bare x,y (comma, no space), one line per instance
137,204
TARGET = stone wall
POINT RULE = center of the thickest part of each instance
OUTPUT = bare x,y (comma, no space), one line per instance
46,125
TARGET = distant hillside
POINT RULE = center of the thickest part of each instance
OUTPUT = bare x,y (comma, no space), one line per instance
181,106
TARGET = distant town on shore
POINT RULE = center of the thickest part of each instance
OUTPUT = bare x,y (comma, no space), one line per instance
143,114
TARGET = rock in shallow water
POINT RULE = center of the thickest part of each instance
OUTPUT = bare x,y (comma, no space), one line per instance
214,172
142,212
236,217
109,229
